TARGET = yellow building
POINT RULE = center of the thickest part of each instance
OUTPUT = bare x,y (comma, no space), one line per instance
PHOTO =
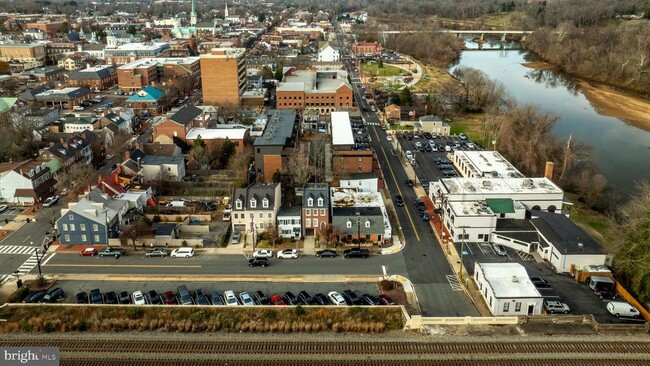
223,76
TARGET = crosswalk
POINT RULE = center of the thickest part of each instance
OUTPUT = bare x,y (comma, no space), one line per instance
454,283
28,265
16,249
372,124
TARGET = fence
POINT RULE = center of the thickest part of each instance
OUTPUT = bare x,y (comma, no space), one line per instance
158,242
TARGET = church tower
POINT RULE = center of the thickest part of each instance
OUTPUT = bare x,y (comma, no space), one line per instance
225,11
193,16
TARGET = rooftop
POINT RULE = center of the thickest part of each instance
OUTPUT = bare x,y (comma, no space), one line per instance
564,234
146,62
140,46
341,129
216,133
279,128
314,81
351,197
487,164
500,186
508,280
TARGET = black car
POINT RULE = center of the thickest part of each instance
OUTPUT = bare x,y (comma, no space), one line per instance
290,298
540,283
321,299
81,298
216,298
34,297
370,299
170,212
351,298
96,297
327,253
260,298
125,298
110,298
53,295
153,298
399,201
208,206
356,253
258,262
305,298
409,183
419,204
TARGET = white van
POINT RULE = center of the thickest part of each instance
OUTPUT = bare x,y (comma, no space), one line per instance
619,308
408,154
185,252
176,204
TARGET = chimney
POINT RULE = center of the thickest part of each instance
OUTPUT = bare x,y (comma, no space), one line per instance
83,136
138,162
127,155
88,65
548,172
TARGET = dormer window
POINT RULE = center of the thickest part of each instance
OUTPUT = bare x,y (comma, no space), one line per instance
367,223
348,224
253,203
265,203
310,202
320,202
238,204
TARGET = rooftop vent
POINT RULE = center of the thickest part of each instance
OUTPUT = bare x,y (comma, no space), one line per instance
515,279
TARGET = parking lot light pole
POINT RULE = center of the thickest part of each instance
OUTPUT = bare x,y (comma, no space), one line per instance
38,260
462,251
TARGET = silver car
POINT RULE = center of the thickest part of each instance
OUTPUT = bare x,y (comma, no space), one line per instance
246,299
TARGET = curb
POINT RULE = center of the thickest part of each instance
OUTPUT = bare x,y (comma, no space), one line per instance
218,278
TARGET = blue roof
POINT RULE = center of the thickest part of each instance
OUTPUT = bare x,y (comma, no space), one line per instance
147,94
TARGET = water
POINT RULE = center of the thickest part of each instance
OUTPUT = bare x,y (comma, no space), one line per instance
620,150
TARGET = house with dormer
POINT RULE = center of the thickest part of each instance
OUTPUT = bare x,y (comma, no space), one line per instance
179,124
315,208
255,208
26,182
68,152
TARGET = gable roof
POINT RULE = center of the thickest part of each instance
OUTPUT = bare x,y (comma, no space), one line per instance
186,115
7,103
258,192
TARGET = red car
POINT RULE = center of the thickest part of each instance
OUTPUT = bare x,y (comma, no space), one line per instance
168,298
277,300
88,252
386,300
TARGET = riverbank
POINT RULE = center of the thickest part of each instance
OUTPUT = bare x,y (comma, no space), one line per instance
611,102
539,65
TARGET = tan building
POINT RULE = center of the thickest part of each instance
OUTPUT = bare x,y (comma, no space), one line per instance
223,76
45,26
22,52
97,77
323,91
127,53
138,74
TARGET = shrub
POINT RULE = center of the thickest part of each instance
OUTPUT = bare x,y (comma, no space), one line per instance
199,316
48,327
184,243
269,314
40,281
299,310
134,313
19,294
156,218
386,285
179,219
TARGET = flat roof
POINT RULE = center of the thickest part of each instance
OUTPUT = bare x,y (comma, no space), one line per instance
505,186
146,62
216,133
351,197
279,128
311,81
140,46
508,280
487,163
341,129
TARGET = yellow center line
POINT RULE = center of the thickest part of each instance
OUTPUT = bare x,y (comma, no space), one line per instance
125,265
417,237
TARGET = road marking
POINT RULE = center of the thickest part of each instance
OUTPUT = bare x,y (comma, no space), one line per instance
524,256
4,278
27,238
48,259
417,237
125,265
16,249
454,282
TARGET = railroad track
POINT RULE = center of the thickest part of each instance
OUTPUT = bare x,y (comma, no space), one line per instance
546,362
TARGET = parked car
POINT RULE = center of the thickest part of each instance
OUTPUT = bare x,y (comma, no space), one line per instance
3,208
553,306
277,300
263,253
305,298
153,298
124,298
88,252
290,298
226,216
138,298
368,299
409,183
229,298
499,249
112,252
78,108
386,300
184,296
604,293
356,253
540,283
260,298
351,298
258,262
235,237
419,204
170,212
288,254
336,298
157,252
96,297
327,253
81,297
168,298
399,201
51,201
34,297
184,252
320,299
200,298
425,216
215,297
619,308
110,298
246,299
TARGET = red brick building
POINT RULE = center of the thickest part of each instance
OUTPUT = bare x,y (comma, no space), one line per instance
323,91
366,48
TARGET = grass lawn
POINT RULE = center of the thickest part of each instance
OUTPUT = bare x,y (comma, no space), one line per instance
594,223
471,125
374,70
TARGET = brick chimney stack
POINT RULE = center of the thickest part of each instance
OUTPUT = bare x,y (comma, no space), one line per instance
548,172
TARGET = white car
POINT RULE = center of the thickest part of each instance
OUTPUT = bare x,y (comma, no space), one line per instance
288,254
3,208
51,201
389,138
229,298
336,298
500,250
553,307
185,252
246,299
78,108
138,298
263,253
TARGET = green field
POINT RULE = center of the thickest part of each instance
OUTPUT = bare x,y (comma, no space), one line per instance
374,70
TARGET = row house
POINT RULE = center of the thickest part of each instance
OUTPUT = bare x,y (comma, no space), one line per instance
68,152
26,182
180,123
315,208
255,208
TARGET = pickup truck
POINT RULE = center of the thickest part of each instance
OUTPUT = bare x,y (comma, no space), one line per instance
112,252
356,253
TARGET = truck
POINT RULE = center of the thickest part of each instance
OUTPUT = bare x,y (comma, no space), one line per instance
356,253
112,252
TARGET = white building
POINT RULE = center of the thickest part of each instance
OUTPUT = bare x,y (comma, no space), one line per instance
289,222
484,164
364,182
327,53
507,289
353,198
342,136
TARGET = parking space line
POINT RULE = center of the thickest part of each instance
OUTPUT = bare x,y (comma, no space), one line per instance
524,256
126,265
454,282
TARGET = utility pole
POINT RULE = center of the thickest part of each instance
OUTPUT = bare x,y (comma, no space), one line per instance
358,229
462,251
38,260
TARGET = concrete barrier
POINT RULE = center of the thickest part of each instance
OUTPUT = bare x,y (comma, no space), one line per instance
194,229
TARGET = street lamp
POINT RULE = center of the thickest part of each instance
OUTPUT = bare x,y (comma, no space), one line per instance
38,259
358,229
462,251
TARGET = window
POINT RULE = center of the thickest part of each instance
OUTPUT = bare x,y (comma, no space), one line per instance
65,227
71,217
308,212
95,227
72,228
265,203
96,238
261,225
320,202
506,307
322,212
518,306
310,201
308,222
269,215
82,227
67,238
261,215
480,236
238,204
83,238
348,224
315,222
253,203
367,223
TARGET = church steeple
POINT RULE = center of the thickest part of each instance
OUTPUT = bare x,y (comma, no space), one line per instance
225,10
193,15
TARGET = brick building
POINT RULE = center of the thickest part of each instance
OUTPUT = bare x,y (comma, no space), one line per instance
323,91
277,142
366,48
346,159
45,26
126,53
140,73
223,76
98,77
179,124
23,53
315,208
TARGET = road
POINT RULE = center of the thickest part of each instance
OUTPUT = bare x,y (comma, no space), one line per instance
427,266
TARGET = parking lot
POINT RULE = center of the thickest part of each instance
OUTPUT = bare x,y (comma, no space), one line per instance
10,213
579,297
361,136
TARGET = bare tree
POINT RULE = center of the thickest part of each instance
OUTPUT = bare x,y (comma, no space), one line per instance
77,175
239,164
135,232
298,166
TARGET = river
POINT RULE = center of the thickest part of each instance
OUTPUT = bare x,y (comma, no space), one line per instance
621,151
